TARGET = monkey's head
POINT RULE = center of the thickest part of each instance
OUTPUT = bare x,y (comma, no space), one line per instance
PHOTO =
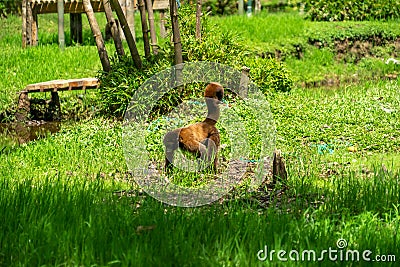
214,90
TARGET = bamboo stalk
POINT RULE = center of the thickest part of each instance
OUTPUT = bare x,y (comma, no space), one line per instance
114,28
198,20
163,31
105,62
145,29
128,34
153,35
176,40
24,41
130,16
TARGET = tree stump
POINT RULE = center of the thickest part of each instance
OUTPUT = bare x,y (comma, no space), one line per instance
278,168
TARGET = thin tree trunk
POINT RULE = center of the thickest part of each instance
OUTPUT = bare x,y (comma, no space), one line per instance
241,7
176,32
34,38
257,8
105,62
114,28
75,25
128,34
198,20
145,29
24,26
130,16
153,35
163,31
61,34
29,22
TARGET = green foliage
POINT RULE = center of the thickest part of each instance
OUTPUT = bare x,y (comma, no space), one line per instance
10,7
269,74
118,86
341,10
221,7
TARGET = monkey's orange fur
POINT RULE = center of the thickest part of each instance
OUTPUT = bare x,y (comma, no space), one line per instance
202,138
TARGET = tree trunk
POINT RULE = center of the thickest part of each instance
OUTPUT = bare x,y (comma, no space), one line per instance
130,16
153,35
145,29
241,7
61,34
176,39
163,31
128,34
24,24
105,62
114,28
75,25
278,168
198,20
257,8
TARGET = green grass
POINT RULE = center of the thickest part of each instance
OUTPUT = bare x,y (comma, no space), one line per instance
58,197
289,37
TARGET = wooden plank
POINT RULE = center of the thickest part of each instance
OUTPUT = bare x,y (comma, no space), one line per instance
160,4
62,85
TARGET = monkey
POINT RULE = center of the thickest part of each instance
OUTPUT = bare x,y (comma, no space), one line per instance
201,139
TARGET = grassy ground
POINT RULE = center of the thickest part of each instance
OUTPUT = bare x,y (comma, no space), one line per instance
69,199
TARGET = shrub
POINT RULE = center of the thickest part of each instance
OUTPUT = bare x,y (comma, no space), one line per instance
269,74
340,10
221,7
118,86
10,7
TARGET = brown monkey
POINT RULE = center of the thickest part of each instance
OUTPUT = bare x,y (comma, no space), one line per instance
202,138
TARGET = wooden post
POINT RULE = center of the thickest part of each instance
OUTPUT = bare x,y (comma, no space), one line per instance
198,20
145,29
29,22
153,35
114,28
24,40
23,107
130,16
54,106
34,38
76,27
61,34
128,34
241,7
105,62
163,31
257,8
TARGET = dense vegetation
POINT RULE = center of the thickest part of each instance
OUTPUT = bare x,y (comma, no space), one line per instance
340,10
223,47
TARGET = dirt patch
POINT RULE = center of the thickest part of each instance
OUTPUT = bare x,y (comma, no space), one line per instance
353,50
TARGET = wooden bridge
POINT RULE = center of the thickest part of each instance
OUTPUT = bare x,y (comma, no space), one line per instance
54,87
31,9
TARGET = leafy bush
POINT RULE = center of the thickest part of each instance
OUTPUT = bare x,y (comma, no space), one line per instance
221,7
10,7
119,85
269,74
340,10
